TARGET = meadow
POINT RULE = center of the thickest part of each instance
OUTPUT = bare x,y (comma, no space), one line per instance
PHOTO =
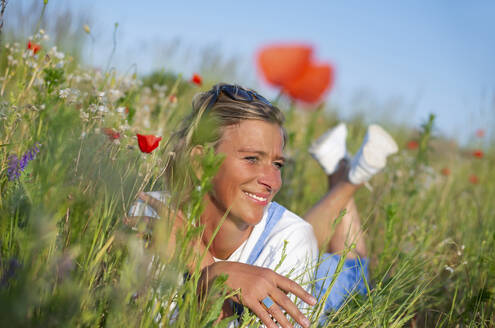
70,168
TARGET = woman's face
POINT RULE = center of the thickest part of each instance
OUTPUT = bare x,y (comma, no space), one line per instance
249,176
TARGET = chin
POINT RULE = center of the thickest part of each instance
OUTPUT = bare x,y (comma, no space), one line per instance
253,217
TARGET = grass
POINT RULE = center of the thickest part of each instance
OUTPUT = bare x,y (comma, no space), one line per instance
66,259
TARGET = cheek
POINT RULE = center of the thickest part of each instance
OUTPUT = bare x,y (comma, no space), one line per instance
225,180
276,181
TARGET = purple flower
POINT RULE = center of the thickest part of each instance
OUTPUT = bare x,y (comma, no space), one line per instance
13,171
16,166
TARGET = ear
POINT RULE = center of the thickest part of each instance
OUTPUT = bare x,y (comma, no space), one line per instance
196,155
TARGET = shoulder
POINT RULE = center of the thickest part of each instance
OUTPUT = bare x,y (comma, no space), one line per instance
290,245
293,228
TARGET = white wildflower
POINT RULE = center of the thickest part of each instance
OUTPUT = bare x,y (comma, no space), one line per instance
114,95
124,127
39,81
77,78
11,60
93,108
57,54
31,64
449,269
120,109
160,88
102,108
64,93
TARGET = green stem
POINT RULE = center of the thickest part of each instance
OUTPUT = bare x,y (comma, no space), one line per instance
45,2
114,46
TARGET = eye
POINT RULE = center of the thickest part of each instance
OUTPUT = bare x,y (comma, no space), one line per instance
251,159
279,165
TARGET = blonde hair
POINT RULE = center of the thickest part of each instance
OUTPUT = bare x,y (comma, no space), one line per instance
212,111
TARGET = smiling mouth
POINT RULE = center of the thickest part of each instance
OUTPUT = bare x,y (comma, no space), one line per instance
256,198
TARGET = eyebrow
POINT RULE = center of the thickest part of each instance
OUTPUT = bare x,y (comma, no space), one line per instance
260,152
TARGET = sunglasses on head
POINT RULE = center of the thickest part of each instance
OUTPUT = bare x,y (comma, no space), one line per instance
237,93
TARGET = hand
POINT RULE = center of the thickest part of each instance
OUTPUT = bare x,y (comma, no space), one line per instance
178,224
255,283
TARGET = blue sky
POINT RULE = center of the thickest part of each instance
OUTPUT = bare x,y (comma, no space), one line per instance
402,58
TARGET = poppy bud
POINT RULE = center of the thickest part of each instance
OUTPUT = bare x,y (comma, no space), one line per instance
196,79
148,143
478,153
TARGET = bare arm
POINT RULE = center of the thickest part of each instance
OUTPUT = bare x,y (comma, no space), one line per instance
199,250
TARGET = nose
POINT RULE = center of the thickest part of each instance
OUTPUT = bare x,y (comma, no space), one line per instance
270,178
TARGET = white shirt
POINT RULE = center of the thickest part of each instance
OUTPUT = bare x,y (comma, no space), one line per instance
291,236
297,235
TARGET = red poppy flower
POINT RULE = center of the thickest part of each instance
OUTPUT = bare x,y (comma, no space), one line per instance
480,133
111,133
445,171
148,143
281,64
312,84
196,79
478,153
172,99
34,47
412,145
474,179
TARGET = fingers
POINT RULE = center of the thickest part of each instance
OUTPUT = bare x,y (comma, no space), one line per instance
291,286
267,316
286,304
277,314
264,316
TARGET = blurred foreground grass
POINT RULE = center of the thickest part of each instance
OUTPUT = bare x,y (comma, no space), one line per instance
70,168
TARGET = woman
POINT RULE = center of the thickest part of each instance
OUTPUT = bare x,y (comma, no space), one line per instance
254,232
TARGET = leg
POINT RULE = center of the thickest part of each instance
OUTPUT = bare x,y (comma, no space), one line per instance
335,236
329,150
348,231
332,237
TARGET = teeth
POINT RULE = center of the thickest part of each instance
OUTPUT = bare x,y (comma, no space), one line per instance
255,197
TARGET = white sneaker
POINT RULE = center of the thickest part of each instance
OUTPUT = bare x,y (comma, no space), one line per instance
372,156
330,148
